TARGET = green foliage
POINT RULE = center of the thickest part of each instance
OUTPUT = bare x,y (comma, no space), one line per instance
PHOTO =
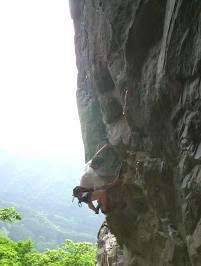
71,254
9,214
22,253
8,252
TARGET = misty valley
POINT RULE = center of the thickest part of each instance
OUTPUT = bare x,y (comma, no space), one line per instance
41,191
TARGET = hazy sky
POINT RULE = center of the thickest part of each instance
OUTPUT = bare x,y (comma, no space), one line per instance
38,113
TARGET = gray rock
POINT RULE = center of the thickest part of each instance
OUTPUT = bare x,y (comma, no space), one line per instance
139,69
109,253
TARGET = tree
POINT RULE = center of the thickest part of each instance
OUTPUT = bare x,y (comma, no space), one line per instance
8,254
22,253
9,215
70,254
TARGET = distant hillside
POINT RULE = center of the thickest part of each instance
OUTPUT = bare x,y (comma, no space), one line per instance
41,190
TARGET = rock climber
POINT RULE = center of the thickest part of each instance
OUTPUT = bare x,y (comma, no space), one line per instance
88,196
101,173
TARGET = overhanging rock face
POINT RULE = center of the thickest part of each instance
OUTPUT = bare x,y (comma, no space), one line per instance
139,88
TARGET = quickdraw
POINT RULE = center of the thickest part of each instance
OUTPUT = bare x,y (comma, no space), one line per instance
125,102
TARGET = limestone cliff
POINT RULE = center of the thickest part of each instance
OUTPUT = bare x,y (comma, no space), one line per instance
108,251
139,64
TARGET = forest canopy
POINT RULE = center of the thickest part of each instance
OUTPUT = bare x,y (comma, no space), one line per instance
23,253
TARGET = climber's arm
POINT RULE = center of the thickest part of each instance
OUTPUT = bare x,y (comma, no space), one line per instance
112,184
